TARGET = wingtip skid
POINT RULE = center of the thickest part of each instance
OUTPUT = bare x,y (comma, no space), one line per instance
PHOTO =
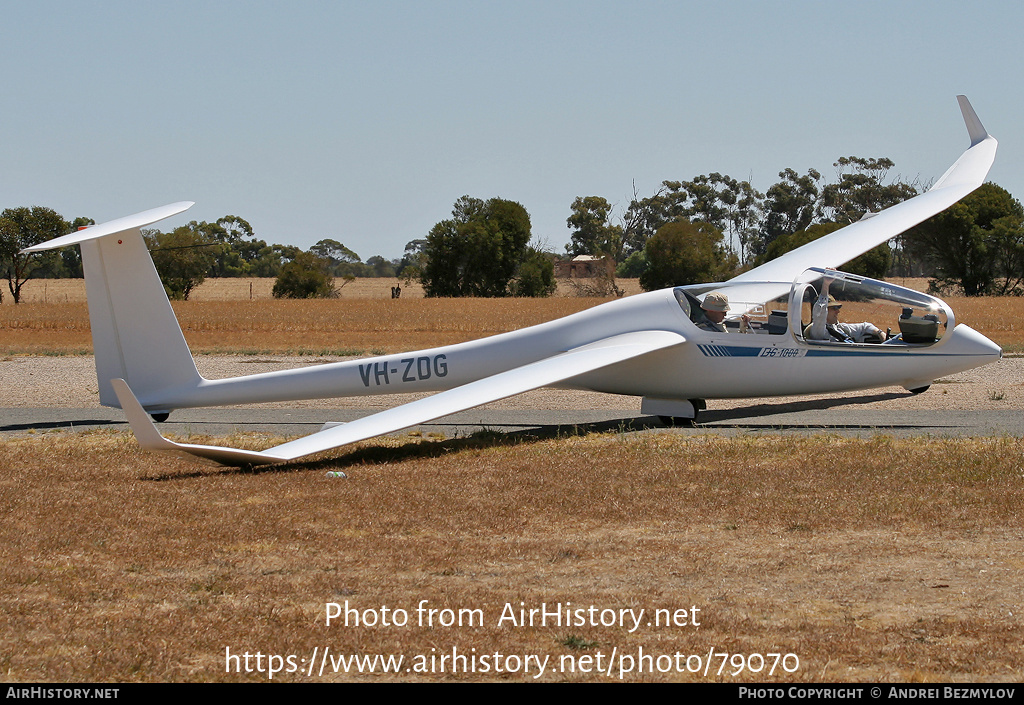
141,424
150,438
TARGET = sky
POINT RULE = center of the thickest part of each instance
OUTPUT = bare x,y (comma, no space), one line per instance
365,121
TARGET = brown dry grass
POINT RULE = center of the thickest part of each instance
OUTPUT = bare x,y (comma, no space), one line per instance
221,318
871,560
363,320
338,326
880,560
61,291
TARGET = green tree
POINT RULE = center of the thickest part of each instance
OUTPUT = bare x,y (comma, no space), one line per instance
976,244
182,258
308,276
234,239
751,220
701,197
380,267
790,206
21,228
478,251
686,253
645,215
258,259
633,266
861,189
732,206
536,275
743,206
413,261
592,233
343,261
234,229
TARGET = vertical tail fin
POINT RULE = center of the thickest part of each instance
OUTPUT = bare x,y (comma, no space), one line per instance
135,334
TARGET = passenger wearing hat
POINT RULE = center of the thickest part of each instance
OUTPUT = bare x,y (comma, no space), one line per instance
715,306
825,323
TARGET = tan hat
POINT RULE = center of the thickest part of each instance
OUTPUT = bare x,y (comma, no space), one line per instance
832,303
715,301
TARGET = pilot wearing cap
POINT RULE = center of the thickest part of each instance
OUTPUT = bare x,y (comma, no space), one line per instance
715,306
825,323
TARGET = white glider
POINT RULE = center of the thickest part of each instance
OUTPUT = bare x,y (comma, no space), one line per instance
655,345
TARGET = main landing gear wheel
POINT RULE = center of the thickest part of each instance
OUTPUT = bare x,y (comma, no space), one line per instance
685,421
673,412
918,390
160,416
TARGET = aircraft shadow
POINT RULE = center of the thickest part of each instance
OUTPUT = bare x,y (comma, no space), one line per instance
756,417
763,409
517,434
54,425
418,448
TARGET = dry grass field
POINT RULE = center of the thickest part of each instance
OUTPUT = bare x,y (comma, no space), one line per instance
861,559
53,319
60,291
875,560
221,318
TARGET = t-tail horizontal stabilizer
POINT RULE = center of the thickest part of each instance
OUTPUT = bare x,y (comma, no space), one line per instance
113,227
542,373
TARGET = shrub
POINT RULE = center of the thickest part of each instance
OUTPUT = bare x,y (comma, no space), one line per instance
305,277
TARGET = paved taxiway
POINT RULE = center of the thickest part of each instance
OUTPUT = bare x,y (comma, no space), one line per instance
839,416
54,394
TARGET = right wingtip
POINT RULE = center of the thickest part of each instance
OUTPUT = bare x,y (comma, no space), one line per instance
975,129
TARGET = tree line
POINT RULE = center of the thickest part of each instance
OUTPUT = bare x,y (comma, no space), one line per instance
713,227
186,256
706,229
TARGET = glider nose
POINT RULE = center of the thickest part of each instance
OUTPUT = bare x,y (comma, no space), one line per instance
971,342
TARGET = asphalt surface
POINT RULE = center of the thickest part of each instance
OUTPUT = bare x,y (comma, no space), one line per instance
837,416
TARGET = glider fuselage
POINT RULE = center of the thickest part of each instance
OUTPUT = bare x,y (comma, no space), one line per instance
711,365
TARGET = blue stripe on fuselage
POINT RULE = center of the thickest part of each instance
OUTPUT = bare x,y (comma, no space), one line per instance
729,351
709,350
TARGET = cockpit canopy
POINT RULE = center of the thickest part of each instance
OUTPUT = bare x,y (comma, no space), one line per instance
905,316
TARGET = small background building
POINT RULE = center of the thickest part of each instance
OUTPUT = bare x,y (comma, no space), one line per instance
585,267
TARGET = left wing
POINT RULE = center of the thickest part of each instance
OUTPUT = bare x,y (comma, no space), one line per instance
542,373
